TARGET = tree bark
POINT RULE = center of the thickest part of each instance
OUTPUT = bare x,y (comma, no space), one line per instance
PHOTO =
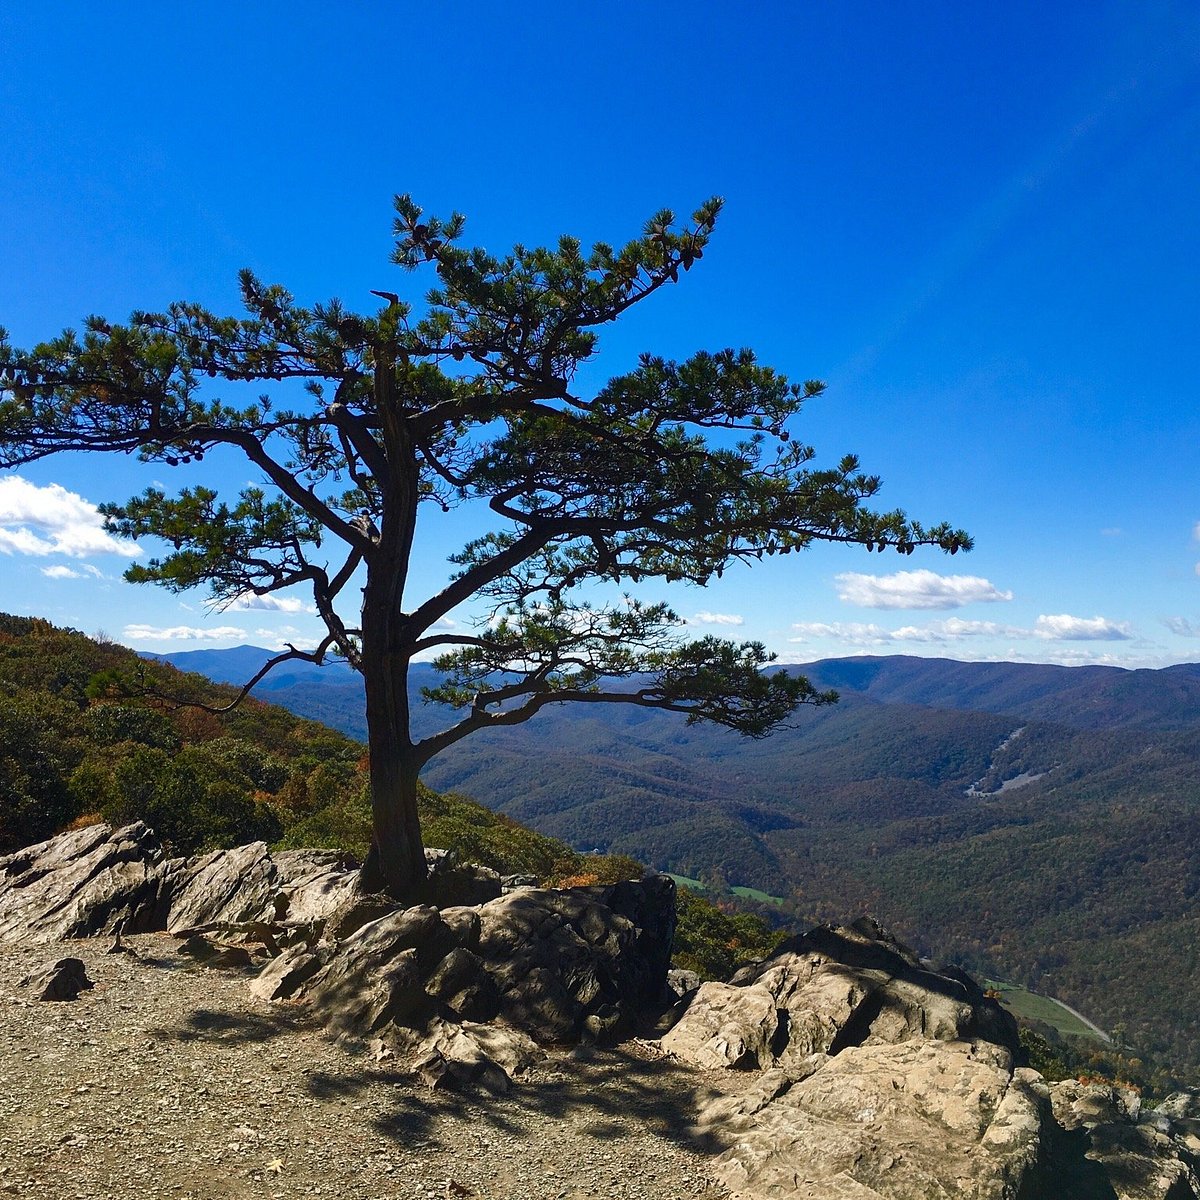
396,861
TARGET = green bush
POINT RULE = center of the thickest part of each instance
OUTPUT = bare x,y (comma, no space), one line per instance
714,943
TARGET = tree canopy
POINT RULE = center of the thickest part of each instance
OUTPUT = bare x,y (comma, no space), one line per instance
672,471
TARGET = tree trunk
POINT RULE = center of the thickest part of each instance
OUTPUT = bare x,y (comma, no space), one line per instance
396,861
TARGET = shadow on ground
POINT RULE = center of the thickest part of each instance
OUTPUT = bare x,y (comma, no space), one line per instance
606,1094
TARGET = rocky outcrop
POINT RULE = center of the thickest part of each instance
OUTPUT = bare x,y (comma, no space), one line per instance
1140,1154
826,991
83,883
862,1071
534,965
881,1076
96,880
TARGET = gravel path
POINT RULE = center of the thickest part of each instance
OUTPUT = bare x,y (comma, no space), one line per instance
170,1080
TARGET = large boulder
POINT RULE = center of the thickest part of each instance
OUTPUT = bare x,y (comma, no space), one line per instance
559,965
914,1119
880,1076
579,962
86,882
826,991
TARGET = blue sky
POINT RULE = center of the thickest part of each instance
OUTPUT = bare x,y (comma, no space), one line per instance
976,222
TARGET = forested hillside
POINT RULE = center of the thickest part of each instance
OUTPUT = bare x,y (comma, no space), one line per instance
87,734
1040,823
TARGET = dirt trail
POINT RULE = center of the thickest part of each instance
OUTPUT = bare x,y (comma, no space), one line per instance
170,1080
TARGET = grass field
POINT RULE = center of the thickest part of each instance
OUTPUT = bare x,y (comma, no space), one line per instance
747,893
1032,1007
755,894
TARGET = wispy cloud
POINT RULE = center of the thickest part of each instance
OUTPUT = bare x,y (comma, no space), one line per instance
916,589
1064,627
86,571
1182,627
51,520
1061,627
248,602
285,638
955,628
849,633
711,618
180,633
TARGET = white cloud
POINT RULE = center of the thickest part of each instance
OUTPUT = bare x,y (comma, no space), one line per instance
444,623
1182,627
852,633
1112,531
712,618
1196,532
953,629
63,572
1064,627
180,633
1061,627
916,589
284,639
51,520
248,601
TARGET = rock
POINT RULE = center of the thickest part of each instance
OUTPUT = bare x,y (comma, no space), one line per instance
726,1026
453,883
1133,1153
1086,1105
284,976
828,990
510,883
227,885
1181,1106
312,883
881,1076
83,883
377,974
560,957
460,982
682,983
355,910
919,1118
63,980
464,1057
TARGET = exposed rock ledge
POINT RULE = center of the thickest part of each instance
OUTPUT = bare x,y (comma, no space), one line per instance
854,1070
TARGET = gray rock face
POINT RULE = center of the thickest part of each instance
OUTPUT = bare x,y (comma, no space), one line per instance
84,882
97,879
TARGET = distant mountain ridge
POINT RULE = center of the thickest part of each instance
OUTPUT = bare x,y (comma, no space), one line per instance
1084,697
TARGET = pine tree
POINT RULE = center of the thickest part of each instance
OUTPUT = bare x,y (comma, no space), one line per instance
471,401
